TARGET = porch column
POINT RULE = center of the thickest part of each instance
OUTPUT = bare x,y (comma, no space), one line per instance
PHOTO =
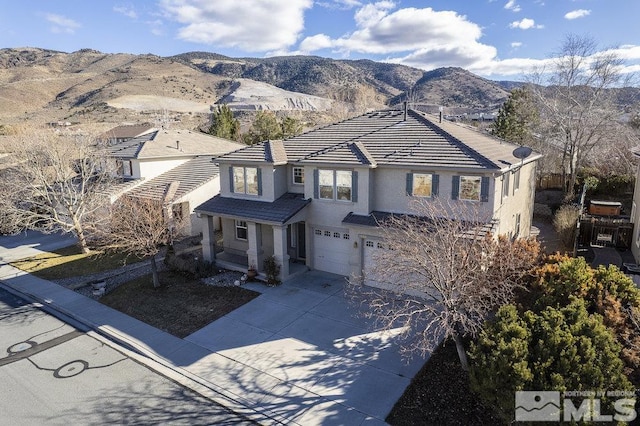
208,238
255,254
280,251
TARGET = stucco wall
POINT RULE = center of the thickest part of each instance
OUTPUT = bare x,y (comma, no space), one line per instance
151,168
521,201
196,198
390,193
267,177
332,212
230,242
294,187
279,180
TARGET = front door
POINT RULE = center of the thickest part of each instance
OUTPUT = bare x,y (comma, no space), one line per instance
302,240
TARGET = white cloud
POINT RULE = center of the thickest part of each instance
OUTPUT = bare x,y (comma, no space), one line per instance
62,24
379,31
339,4
629,54
128,11
372,13
513,6
516,44
525,24
313,43
251,25
575,14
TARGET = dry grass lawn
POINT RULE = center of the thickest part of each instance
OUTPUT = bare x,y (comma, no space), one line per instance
181,306
70,262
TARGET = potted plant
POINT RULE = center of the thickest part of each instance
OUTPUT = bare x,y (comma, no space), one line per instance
252,272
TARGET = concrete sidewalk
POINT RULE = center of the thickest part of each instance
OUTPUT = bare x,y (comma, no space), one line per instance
293,355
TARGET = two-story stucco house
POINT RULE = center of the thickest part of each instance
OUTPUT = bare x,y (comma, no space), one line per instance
635,211
149,163
312,201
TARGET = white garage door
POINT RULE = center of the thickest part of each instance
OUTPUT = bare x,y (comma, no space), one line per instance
331,251
371,247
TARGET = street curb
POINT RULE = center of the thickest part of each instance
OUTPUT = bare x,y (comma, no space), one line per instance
152,361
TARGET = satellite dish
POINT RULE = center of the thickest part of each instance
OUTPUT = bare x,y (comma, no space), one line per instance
522,152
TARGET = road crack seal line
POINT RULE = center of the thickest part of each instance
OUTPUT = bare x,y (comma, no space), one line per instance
72,368
29,347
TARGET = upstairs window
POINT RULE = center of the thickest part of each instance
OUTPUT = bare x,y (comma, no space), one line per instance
343,185
335,185
470,188
298,175
245,180
505,185
516,181
326,184
422,185
125,168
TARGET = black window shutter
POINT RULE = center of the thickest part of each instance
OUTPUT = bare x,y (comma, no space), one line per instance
315,183
259,177
455,187
354,186
484,189
231,179
409,184
435,183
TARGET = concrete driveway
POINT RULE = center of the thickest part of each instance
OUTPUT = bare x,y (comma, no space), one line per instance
306,334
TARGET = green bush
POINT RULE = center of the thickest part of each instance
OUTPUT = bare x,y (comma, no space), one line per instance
559,349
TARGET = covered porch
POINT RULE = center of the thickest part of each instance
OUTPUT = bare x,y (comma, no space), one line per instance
252,231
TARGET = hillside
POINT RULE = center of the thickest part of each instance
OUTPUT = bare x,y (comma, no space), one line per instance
42,86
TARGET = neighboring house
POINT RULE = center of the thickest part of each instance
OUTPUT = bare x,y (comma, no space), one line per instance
125,132
148,164
313,201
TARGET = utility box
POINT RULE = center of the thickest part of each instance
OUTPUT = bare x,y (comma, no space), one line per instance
605,208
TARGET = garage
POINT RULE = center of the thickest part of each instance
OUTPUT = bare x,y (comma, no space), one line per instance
331,251
368,260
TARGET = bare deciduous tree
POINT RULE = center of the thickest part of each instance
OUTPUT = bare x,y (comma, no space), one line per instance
440,278
141,227
578,111
55,182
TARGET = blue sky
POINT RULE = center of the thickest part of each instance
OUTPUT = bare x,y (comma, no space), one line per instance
492,38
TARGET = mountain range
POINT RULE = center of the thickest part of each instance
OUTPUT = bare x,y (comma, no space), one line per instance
87,85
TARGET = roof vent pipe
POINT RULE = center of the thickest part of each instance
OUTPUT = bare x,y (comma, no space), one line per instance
404,107
178,145
440,117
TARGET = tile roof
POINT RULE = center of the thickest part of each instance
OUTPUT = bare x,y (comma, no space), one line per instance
127,131
388,138
129,148
278,211
275,152
167,143
191,175
375,218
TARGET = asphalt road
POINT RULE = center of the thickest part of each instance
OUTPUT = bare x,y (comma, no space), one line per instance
53,373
